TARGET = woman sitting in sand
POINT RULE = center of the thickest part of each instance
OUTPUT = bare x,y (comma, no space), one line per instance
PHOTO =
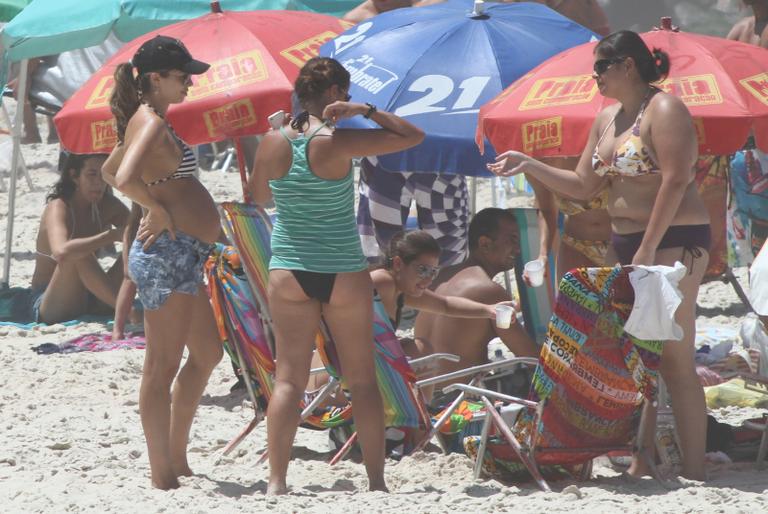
317,266
80,218
643,149
155,168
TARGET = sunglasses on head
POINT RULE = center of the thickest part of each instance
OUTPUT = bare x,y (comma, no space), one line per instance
602,65
425,271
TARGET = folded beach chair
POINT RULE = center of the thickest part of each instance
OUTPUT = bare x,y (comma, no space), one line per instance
589,387
535,302
238,283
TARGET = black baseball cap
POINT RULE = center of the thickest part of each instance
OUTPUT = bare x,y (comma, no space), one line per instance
166,53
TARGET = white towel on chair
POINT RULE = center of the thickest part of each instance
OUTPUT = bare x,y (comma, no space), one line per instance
657,297
758,282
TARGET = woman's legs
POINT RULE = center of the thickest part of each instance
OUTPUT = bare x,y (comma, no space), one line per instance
205,352
296,320
65,297
166,330
678,368
350,319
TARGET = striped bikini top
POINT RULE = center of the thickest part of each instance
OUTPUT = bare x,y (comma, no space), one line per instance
632,158
187,166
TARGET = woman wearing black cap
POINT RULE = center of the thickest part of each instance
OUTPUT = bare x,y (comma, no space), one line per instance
155,168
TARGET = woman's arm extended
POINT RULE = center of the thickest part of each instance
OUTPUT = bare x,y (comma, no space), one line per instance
453,306
581,185
673,137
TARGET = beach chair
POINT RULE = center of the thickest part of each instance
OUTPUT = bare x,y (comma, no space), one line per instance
535,302
238,283
590,385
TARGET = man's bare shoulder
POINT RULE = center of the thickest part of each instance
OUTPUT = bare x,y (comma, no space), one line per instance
472,282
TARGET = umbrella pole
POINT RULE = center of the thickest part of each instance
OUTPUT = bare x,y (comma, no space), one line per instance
16,131
241,167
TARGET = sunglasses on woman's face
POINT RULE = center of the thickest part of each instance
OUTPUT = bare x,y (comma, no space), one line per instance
425,271
602,65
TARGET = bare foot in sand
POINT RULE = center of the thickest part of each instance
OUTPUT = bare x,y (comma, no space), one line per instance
182,470
277,489
379,486
166,483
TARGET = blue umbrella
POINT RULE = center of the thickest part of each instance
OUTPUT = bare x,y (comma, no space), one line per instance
436,66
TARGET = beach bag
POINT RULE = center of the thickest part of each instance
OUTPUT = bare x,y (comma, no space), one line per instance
16,304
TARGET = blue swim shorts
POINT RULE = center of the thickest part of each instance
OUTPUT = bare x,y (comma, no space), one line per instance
167,266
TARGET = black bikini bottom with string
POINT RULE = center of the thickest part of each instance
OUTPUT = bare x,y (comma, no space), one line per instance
692,238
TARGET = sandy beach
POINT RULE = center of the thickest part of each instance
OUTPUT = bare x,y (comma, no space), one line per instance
71,440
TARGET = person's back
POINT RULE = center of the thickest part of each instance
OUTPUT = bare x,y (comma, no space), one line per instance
316,228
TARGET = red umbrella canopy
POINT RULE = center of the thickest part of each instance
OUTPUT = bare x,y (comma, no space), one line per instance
549,111
254,56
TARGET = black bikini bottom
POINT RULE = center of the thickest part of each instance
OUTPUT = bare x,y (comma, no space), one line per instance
691,237
318,286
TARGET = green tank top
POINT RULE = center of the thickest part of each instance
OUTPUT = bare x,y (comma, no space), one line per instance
315,228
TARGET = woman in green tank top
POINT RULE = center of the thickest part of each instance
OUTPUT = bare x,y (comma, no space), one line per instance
317,266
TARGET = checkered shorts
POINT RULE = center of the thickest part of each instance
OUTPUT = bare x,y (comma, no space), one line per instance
442,209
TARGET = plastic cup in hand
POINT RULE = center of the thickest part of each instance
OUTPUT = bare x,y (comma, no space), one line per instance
535,272
504,316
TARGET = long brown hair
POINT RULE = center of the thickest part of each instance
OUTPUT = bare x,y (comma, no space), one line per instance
127,94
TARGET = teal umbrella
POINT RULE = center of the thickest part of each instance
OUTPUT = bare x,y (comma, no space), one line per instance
10,8
53,26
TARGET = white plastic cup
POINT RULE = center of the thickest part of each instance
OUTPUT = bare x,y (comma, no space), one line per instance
504,316
535,272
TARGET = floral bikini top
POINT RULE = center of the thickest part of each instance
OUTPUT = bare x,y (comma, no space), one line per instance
632,158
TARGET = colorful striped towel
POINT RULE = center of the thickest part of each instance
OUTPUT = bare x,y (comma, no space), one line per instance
592,376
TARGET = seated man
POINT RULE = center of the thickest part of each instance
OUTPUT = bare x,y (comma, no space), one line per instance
494,241
80,217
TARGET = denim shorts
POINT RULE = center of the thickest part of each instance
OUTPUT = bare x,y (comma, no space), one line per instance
167,266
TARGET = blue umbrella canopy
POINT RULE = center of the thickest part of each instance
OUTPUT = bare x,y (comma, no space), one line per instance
436,66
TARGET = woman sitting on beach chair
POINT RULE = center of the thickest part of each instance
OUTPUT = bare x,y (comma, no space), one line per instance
80,218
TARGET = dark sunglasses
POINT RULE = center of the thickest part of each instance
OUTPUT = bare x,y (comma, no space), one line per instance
347,97
602,65
425,271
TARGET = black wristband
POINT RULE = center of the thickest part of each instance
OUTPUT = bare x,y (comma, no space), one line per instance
371,109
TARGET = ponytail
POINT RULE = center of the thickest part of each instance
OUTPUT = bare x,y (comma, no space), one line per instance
127,95
125,98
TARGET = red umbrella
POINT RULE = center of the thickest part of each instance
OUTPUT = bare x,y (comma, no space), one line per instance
550,110
255,58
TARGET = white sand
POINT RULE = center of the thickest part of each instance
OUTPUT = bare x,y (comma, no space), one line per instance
70,438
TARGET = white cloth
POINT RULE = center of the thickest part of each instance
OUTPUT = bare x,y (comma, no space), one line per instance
758,282
657,297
